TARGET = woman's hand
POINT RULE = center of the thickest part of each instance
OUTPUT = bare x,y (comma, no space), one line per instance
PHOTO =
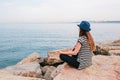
62,52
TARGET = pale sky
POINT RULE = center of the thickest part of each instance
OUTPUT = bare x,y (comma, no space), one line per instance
58,10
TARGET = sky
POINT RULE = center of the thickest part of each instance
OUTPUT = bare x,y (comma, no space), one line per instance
35,11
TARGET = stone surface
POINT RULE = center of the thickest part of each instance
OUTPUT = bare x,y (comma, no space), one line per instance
116,42
27,70
4,75
53,57
58,70
108,48
28,67
47,75
34,57
101,50
103,68
114,52
44,69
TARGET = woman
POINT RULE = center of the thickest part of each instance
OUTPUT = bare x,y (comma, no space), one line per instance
81,55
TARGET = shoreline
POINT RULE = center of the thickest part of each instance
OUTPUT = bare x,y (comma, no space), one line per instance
102,44
51,67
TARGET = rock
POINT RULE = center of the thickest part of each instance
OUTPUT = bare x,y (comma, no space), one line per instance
4,75
108,48
114,52
44,69
57,70
34,57
47,75
27,70
28,67
53,57
103,68
116,42
101,50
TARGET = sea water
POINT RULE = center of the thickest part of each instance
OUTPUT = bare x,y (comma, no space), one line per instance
18,40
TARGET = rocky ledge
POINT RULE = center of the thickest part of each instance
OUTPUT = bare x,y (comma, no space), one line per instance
34,67
108,48
103,68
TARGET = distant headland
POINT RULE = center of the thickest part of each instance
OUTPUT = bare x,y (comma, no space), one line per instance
100,21
105,21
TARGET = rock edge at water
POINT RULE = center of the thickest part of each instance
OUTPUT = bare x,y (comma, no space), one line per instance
52,68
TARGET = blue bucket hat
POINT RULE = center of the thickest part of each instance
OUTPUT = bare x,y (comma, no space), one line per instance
84,25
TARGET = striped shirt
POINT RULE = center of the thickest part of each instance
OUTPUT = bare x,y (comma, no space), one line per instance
84,54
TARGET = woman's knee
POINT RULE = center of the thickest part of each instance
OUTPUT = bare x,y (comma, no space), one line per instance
62,56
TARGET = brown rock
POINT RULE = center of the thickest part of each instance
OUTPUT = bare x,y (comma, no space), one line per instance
108,48
34,57
27,70
101,50
114,52
44,69
103,68
28,67
116,42
58,70
4,75
47,75
53,57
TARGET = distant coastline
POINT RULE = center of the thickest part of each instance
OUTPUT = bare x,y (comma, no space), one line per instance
102,22
105,21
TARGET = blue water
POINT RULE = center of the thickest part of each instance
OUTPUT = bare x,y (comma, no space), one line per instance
19,40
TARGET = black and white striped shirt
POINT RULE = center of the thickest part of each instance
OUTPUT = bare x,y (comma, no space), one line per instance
84,54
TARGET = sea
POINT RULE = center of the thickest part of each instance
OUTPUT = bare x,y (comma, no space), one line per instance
18,40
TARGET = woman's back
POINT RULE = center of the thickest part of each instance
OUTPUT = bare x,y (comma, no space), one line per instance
84,54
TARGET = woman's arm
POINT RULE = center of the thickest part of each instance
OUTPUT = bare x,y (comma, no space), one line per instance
74,52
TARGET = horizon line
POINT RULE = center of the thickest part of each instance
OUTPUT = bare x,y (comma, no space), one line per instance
91,21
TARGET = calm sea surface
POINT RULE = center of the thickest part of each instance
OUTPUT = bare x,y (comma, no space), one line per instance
19,40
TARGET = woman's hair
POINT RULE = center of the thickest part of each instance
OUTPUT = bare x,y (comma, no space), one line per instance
89,38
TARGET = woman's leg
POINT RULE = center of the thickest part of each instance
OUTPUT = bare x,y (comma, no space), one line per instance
70,60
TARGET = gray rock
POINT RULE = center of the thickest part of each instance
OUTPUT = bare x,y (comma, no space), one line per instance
44,69
57,70
47,75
